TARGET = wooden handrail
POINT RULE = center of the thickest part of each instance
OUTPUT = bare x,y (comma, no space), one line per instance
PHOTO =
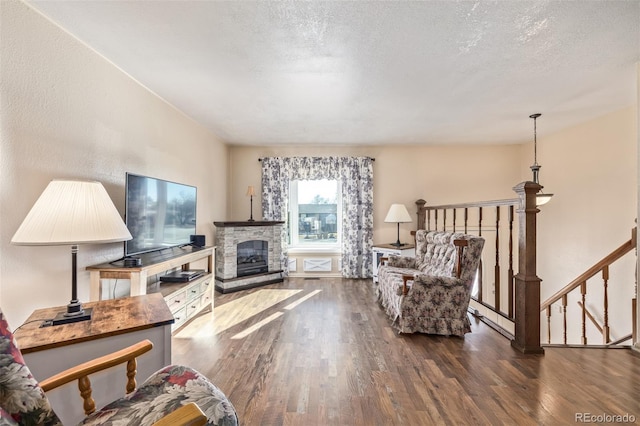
600,267
490,203
591,272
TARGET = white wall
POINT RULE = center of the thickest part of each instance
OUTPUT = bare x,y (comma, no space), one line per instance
402,174
592,170
66,112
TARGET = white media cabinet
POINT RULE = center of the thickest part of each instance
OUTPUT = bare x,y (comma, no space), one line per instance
185,299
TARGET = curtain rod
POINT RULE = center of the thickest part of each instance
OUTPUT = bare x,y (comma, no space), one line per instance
371,158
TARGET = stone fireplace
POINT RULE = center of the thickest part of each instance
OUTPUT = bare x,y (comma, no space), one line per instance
248,254
253,258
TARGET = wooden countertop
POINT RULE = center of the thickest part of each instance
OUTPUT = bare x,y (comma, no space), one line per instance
181,255
110,318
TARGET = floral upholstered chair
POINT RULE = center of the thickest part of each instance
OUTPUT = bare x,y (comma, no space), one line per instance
430,293
173,395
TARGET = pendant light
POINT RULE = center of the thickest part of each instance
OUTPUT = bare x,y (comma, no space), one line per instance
541,197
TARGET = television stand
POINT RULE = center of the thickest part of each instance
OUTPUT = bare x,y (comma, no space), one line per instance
184,299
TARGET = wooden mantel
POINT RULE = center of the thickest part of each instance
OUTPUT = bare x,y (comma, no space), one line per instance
248,223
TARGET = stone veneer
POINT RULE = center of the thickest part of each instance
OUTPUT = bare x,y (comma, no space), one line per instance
228,236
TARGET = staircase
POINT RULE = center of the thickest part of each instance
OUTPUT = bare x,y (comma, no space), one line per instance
507,289
598,319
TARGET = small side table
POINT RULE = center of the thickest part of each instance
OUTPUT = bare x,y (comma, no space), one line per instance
385,250
115,324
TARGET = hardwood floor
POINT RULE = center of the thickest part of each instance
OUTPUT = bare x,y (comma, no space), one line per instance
322,352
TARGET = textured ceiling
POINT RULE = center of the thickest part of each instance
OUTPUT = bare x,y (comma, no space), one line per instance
413,72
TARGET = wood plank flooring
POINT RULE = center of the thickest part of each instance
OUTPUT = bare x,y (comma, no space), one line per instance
322,352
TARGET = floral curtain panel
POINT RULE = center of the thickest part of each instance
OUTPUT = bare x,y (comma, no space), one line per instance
356,177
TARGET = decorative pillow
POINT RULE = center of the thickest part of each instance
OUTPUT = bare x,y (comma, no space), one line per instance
20,395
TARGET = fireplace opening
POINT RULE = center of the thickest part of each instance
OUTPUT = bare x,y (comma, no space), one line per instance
253,258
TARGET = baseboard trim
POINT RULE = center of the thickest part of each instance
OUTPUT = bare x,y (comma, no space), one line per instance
490,323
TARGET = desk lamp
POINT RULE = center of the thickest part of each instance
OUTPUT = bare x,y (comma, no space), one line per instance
72,212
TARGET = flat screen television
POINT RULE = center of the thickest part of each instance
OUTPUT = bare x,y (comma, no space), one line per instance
158,213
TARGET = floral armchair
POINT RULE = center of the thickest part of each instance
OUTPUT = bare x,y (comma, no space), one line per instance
430,293
173,395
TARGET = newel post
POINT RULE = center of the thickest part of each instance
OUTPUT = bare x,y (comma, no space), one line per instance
527,329
422,217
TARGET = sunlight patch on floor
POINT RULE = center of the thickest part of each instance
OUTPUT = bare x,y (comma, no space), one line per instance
234,312
302,299
257,326
266,321
202,325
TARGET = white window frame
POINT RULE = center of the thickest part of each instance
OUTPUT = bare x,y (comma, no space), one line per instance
294,240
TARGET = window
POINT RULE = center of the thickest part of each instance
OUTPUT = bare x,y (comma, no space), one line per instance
315,216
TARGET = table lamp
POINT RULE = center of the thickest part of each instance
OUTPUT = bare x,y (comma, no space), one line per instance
72,212
398,214
250,193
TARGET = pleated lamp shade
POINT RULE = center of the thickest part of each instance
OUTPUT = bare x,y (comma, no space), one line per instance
398,213
71,212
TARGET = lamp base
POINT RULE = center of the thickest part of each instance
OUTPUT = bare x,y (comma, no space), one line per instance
68,318
398,244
